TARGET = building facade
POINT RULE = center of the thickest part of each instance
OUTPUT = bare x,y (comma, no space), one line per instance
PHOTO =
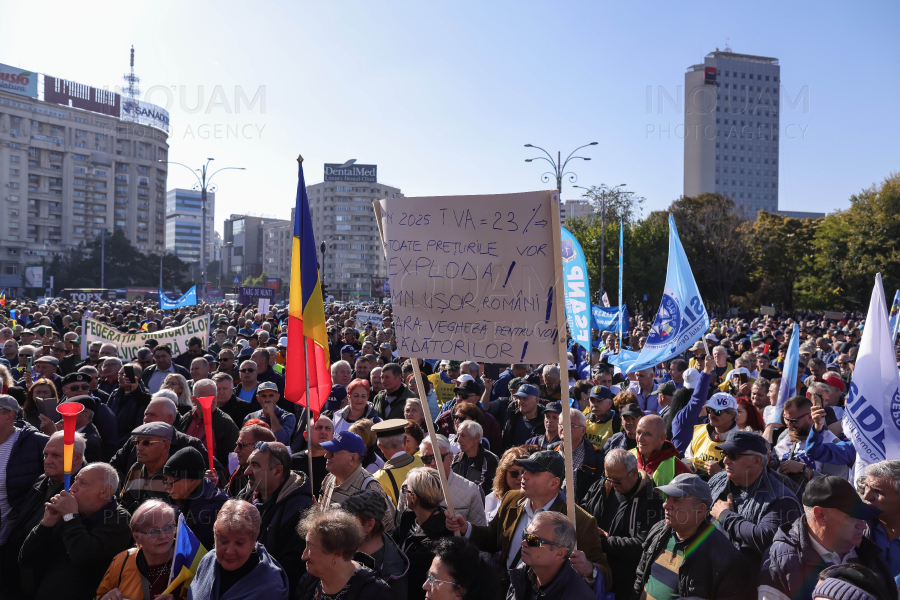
731,129
343,218
278,240
573,209
184,214
74,161
243,246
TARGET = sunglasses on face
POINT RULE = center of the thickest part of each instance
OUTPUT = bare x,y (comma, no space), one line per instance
716,412
734,455
428,459
146,443
241,445
78,388
171,482
514,473
533,541
795,421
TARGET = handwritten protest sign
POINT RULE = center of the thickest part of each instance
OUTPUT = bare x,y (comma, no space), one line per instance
472,277
128,344
364,318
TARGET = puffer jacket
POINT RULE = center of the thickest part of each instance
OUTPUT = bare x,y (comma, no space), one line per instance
567,584
278,530
791,565
364,584
713,570
627,519
28,464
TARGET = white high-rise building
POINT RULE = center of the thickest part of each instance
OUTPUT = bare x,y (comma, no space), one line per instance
343,218
731,129
184,213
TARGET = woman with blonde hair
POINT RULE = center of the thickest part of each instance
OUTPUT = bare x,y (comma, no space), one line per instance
179,385
371,462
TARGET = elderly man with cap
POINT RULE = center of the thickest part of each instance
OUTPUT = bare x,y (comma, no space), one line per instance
540,491
656,455
391,436
346,475
625,439
282,496
84,424
145,478
685,555
525,419
750,502
831,532
197,498
45,367
280,421
603,422
664,394
550,437
705,459
225,432
79,384
80,533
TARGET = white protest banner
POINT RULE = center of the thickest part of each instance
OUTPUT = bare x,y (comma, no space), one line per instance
364,318
472,277
263,307
127,344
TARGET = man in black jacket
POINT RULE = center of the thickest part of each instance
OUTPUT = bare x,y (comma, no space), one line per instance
525,419
21,464
225,432
128,402
626,507
586,461
545,571
79,535
32,510
84,424
154,376
686,556
282,497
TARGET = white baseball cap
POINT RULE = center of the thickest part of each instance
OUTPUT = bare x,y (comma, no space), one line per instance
464,378
721,401
691,378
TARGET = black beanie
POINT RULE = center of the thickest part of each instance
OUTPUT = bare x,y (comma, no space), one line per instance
187,463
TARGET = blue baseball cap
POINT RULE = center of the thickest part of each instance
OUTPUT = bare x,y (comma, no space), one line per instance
527,390
602,392
348,349
346,440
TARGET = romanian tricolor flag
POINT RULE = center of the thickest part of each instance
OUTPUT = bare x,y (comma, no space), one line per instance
188,552
3,296
307,336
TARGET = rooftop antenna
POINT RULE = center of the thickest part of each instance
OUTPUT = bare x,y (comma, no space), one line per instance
727,45
132,89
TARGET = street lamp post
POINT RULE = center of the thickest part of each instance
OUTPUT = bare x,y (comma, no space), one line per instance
602,230
203,183
559,166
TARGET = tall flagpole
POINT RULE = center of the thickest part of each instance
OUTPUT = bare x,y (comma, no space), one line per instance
309,456
621,271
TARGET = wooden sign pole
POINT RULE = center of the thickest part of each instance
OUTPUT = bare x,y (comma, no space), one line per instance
560,300
432,434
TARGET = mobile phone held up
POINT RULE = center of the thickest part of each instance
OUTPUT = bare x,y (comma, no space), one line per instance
129,373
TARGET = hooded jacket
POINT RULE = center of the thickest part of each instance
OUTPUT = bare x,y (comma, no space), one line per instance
266,580
627,519
567,585
278,530
791,565
364,584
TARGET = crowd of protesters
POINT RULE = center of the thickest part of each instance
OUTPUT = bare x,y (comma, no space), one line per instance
687,480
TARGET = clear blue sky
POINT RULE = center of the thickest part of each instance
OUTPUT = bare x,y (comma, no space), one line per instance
442,96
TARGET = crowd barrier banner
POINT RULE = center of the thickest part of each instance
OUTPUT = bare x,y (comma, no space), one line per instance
128,344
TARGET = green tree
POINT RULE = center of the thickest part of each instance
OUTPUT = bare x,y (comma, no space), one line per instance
781,253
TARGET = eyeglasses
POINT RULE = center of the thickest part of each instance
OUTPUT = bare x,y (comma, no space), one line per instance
515,473
533,541
78,388
795,421
241,445
264,447
432,579
146,443
718,413
735,455
458,418
154,533
171,482
428,459
248,370
405,490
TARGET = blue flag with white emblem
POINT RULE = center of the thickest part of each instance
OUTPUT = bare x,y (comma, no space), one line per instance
788,387
681,319
189,298
606,318
577,292
895,312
